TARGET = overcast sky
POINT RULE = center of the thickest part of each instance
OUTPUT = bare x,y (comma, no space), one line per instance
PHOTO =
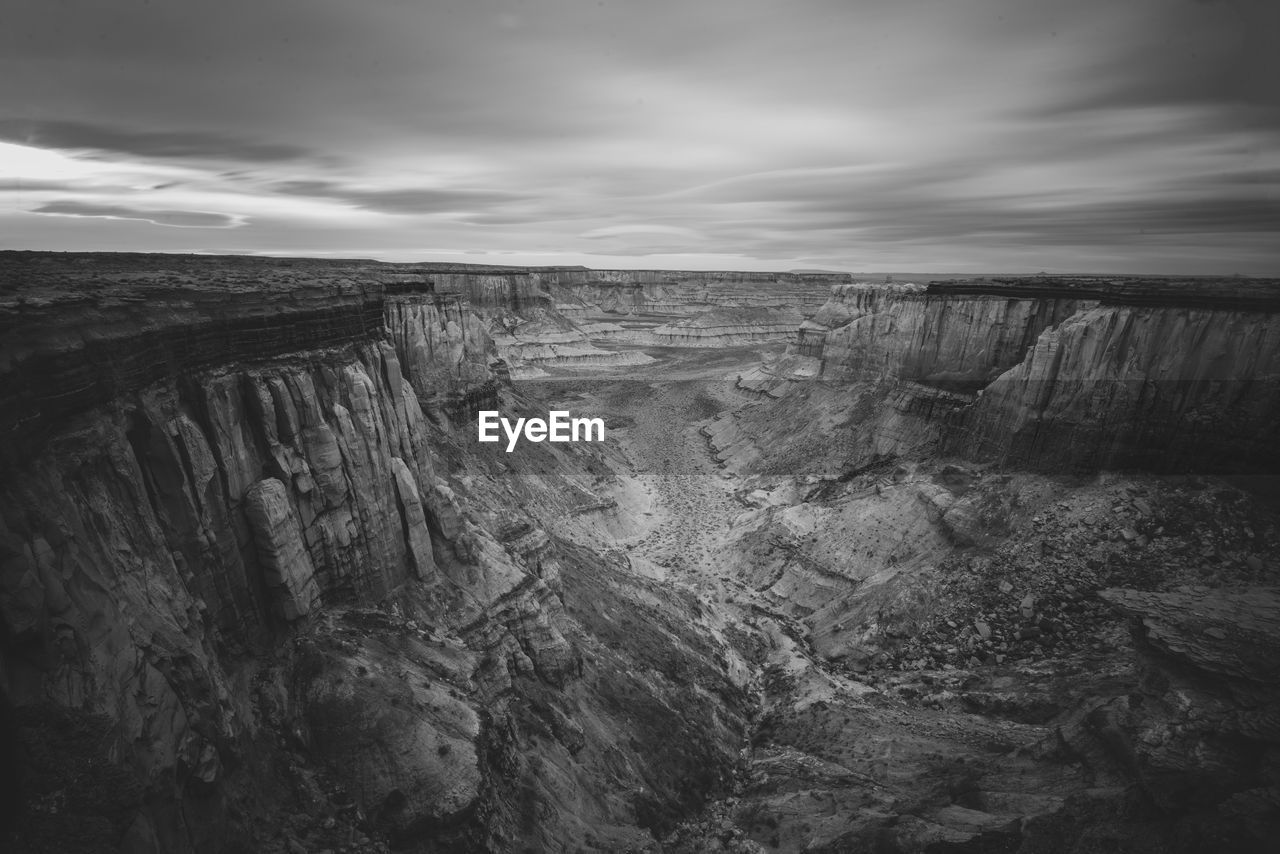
931,135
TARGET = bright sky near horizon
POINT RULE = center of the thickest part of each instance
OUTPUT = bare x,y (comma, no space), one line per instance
928,135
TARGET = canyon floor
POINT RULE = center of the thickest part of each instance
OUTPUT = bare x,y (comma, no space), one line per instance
919,687
861,567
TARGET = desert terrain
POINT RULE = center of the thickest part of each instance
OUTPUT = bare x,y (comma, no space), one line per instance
967,565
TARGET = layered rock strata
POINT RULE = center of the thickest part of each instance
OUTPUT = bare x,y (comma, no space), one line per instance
187,524
1196,743
882,332
595,293
723,327
240,569
1166,375
1125,386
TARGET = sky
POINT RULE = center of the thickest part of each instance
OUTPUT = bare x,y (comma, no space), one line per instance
1140,136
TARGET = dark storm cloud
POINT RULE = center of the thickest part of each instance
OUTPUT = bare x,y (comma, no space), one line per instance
178,219
165,144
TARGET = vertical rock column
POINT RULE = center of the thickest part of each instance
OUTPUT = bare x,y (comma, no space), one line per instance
414,519
289,572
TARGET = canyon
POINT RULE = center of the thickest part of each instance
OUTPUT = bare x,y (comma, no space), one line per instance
969,565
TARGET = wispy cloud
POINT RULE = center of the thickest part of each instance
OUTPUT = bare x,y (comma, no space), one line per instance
407,200
921,135
176,219
163,144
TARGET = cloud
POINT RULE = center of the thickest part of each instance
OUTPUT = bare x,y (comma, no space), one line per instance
35,185
818,133
409,200
629,229
163,144
176,219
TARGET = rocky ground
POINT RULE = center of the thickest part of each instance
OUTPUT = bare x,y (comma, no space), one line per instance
976,691
745,623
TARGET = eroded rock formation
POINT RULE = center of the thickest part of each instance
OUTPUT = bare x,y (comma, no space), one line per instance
252,574
1076,374
258,591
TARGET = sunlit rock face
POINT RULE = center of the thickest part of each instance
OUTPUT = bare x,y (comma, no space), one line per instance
723,327
445,349
882,332
510,317
548,318
595,293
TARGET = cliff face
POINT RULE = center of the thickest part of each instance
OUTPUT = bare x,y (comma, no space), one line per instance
1155,388
446,350
903,332
594,293
70,349
516,292
276,580
542,318
1046,374
193,522
729,326
255,580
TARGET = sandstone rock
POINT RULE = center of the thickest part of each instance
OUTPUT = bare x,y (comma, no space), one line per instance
285,561
728,326
1109,388
127,558
407,748
414,520
901,331
1210,659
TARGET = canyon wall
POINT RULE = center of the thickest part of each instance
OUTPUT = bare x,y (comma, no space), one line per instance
1056,374
905,332
593,293
245,546
159,550
244,542
1163,389
550,317
446,350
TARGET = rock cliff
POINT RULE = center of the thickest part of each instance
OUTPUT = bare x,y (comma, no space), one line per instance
259,590
1131,386
445,349
550,317
1048,373
906,332
246,544
594,293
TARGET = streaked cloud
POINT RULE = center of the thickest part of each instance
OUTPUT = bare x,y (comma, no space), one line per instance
176,219
931,134
406,200
163,144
